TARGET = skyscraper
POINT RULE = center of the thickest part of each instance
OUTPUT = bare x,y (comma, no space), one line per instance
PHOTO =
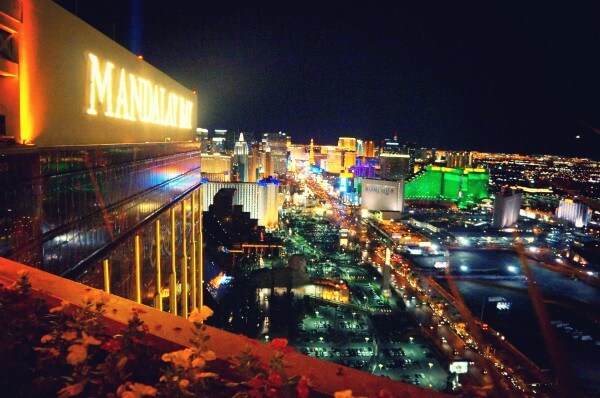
507,205
576,213
395,166
241,161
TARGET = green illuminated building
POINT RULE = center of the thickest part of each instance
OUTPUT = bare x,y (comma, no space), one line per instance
461,185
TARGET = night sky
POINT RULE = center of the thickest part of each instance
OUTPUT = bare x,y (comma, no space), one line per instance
493,77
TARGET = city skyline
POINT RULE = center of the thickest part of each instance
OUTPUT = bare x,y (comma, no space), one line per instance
416,270
454,77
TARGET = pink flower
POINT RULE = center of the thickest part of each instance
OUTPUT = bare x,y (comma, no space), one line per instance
63,304
69,336
275,379
87,340
199,316
77,354
47,338
343,394
112,346
72,390
198,362
209,355
135,390
279,344
181,358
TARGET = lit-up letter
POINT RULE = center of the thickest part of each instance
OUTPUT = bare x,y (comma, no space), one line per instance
185,113
100,84
155,105
147,100
170,115
136,92
161,114
122,111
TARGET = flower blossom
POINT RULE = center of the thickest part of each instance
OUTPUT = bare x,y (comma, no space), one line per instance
63,304
69,336
179,358
279,344
72,390
77,354
275,379
209,355
47,338
198,362
88,340
201,315
205,375
135,390
112,346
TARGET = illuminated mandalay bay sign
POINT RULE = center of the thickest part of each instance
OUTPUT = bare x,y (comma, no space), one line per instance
123,95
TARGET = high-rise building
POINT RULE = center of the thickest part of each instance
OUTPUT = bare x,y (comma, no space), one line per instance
277,143
347,143
391,145
464,186
573,212
254,166
240,159
507,205
202,135
395,166
260,199
382,195
369,149
215,163
459,159
338,160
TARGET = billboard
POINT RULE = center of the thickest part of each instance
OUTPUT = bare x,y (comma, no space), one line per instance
459,367
382,195
79,87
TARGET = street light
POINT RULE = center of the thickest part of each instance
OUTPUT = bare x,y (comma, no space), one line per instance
411,339
430,365
367,339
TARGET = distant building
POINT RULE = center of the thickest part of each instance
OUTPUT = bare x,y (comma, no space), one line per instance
240,159
277,143
459,159
382,195
461,185
507,205
232,229
202,135
365,148
369,149
215,163
338,160
576,213
259,199
395,166
347,143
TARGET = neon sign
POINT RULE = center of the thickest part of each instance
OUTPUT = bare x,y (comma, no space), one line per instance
122,95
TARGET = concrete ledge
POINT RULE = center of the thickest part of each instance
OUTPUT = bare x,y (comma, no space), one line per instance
173,332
